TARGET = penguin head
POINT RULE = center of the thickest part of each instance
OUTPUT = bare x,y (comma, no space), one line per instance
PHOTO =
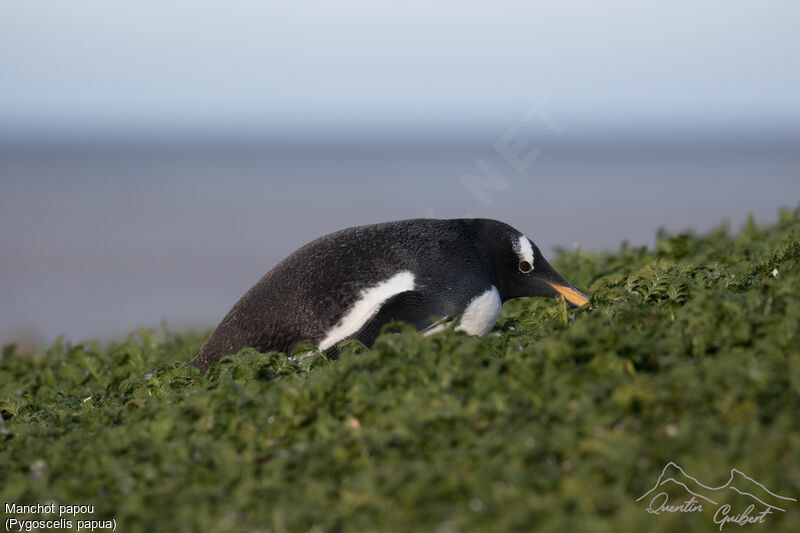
520,269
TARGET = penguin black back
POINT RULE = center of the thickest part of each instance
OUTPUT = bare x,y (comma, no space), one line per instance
350,283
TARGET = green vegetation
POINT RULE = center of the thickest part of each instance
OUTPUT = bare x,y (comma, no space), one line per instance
557,421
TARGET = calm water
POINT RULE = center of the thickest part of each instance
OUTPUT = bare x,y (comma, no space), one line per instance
95,242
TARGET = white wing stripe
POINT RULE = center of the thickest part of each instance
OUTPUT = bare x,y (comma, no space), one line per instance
367,306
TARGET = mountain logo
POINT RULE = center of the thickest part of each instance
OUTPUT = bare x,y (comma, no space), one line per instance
741,500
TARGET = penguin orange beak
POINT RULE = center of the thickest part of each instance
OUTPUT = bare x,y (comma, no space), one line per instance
572,295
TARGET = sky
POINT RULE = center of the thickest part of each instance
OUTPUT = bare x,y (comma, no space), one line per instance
99,68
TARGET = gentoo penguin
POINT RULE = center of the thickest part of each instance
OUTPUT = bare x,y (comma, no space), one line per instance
348,284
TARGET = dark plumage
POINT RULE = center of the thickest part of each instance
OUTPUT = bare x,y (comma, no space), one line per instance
436,270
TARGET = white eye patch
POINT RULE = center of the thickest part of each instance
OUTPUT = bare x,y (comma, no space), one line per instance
524,250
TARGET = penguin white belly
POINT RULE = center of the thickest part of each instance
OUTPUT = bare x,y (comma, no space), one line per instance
366,307
481,313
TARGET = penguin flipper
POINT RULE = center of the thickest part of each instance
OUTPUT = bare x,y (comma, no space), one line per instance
412,307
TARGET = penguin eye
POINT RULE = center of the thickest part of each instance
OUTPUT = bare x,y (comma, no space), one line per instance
525,267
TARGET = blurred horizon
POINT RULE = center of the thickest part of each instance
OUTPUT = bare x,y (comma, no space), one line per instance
99,241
